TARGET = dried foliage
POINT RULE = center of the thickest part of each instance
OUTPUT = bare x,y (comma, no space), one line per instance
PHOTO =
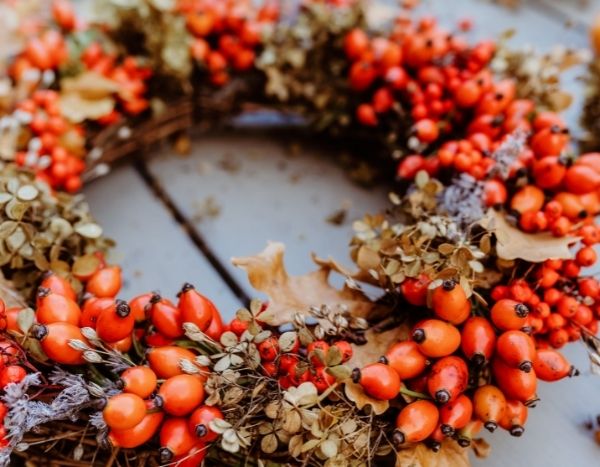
513,243
305,66
289,295
417,237
341,427
41,231
89,95
538,75
590,118
151,28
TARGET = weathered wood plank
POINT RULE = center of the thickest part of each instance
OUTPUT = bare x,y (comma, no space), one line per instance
154,252
260,191
581,13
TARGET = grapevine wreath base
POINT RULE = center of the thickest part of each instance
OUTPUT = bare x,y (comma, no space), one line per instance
479,259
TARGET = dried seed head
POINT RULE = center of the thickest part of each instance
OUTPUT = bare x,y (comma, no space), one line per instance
78,345
92,357
89,333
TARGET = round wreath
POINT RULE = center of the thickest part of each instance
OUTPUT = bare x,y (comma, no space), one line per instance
478,260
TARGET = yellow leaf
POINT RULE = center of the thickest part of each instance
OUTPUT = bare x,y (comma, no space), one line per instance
513,243
88,95
77,109
89,85
419,455
289,295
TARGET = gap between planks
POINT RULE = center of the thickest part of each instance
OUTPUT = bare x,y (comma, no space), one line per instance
194,235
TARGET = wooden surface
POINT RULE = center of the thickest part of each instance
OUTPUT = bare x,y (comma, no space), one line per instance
239,189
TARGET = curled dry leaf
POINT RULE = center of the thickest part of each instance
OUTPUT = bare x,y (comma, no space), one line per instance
360,275
355,393
289,295
419,455
512,243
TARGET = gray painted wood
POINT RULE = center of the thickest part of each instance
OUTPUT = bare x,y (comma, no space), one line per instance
154,252
579,12
263,192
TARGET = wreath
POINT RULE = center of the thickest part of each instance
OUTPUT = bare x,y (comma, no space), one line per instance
479,260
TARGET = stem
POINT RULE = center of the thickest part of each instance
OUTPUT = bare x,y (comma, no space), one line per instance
96,376
415,394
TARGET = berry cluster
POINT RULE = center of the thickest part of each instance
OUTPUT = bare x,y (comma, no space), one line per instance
299,365
402,71
465,371
156,397
448,86
174,409
165,392
54,150
561,302
49,50
11,364
128,74
226,34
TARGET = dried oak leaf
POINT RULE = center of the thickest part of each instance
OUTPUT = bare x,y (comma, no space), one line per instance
360,275
512,243
289,295
88,95
419,455
376,346
355,393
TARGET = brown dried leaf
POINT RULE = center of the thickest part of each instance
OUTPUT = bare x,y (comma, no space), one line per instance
289,295
360,275
560,100
512,243
355,393
419,455
376,346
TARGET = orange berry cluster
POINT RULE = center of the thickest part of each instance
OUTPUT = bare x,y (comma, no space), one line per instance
465,371
226,34
449,89
53,149
157,397
561,302
48,50
174,409
403,68
11,364
129,75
